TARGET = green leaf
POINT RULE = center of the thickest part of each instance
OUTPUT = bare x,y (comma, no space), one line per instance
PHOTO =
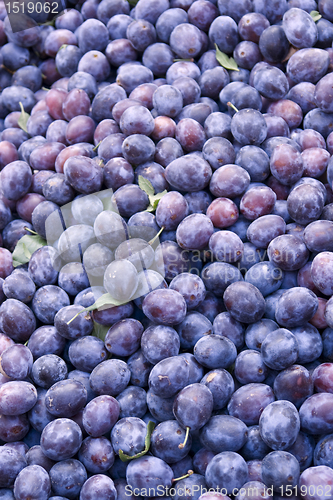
48,23
100,331
24,117
126,458
101,302
225,61
26,252
146,185
25,247
106,300
315,15
148,188
133,2
184,60
155,198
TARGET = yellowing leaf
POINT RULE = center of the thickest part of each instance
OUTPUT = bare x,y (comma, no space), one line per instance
291,52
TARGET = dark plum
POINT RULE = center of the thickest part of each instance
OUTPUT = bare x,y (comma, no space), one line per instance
248,127
288,252
293,384
193,406
271,82
83,174
273,43
223,433
248,402
61,439
286,164
223,212
229,181
290,312
307,335
215,351
110,377
225,324
148,470
279,425
165,441
227,470
165,307
16,362
257,201
169,376
17,397
250,367
244,302
159,342
192,328
279,349
280,469
221,385
100,415
315,414
66,398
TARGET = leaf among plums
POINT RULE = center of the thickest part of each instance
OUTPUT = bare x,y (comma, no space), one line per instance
103,302
23,119
225,61
146,185
291,52
100,331
148,188
315,15
25,247
126,458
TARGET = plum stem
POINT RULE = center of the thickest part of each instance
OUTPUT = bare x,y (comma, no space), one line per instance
182,445
189,473
232,106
